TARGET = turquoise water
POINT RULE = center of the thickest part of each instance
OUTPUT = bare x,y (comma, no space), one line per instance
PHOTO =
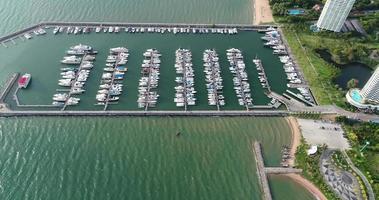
295,12
356,96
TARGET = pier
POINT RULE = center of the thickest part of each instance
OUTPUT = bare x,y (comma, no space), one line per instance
203,113
14,35
263,171
8,86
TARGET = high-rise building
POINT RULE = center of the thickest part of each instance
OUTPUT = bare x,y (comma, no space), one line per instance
334,14
370,92
368,97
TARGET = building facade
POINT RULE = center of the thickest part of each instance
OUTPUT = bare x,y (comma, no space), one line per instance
368,97
334,14
370,92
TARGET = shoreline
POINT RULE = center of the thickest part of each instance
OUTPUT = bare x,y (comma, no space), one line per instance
295,142
262,12
295,138
307,185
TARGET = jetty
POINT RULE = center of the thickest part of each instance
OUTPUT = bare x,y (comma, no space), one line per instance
93,25
8,86
263,171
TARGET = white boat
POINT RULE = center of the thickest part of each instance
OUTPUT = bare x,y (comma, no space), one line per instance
56,29
98,29
119,50
28,36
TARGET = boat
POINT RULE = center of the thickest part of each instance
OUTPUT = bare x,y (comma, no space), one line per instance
41,31
27,36
119,50
57,103
67,69
56,29
24,80
71,60
81,47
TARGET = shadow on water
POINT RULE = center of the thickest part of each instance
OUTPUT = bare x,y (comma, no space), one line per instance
353,70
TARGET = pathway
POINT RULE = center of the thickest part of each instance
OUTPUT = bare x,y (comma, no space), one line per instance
370,192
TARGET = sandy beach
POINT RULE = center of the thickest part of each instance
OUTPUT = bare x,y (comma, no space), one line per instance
262,12
295,142
308,185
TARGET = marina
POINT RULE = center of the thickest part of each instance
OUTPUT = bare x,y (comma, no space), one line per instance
213,78
203,66
273,39
74,78
148,83
184,91
240,80
111,86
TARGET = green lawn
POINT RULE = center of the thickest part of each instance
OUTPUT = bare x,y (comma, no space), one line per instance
317,72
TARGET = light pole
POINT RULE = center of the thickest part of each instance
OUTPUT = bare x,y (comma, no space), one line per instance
363,148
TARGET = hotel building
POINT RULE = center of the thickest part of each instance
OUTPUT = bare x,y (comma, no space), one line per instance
334,14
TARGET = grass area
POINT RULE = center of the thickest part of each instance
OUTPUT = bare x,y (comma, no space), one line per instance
317,72
311,171
367,160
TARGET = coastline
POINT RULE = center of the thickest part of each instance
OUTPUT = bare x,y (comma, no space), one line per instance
307,185
262,12
295,142
295,138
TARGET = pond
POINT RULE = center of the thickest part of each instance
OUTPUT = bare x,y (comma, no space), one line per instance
354,70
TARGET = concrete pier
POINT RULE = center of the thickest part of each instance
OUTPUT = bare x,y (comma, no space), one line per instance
204,113
262,176
8,86
245,27
263,171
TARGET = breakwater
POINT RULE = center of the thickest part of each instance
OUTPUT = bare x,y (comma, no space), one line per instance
263,171
144,25
144,113
8,86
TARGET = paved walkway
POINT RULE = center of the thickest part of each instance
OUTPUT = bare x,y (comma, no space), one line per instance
370,192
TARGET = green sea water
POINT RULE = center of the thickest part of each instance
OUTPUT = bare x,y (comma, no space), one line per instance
138,158
49,49
134,158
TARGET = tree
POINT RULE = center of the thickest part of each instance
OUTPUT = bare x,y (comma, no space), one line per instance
353,83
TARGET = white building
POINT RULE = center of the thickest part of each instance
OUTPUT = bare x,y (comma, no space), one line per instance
334,14
370,92
368,97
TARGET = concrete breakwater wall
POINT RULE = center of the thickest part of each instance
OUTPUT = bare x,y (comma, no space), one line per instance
122,24
144,113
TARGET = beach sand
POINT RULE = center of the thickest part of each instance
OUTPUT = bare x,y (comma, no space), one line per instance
296,138
262,12
307,185
295,142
